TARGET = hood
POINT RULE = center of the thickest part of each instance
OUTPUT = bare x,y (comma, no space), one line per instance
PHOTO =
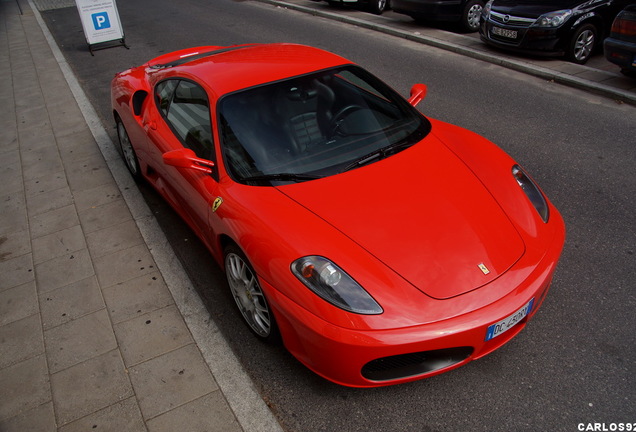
423,214
532,9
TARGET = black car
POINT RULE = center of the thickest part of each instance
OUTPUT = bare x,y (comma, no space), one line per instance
620,46
466,12
375,6
570,28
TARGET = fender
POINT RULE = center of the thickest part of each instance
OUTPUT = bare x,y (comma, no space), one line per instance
583,18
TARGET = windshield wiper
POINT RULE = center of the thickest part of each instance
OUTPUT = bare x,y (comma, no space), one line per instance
378,154
281,177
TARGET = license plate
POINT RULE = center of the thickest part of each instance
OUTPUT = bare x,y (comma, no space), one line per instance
509,322
510,34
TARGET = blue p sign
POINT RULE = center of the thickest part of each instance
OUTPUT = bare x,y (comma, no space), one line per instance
100,20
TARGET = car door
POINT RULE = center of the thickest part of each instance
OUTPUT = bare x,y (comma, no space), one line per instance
184,111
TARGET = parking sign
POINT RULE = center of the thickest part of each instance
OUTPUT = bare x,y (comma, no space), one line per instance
100,20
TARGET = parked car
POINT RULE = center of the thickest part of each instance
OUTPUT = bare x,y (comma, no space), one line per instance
375,6
620,46
383,246
569,28
465,12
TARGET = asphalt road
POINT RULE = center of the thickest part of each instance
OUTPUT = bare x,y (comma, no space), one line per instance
574,363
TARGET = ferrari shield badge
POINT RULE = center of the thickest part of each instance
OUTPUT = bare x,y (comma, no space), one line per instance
217,203
483,268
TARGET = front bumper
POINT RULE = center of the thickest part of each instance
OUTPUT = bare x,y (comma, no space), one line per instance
529,40
372,358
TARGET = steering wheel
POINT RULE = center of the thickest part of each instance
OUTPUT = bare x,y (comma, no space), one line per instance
344,112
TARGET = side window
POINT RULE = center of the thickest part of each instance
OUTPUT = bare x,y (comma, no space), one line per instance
163,94
185,107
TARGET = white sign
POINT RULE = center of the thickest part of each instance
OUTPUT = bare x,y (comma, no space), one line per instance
100,20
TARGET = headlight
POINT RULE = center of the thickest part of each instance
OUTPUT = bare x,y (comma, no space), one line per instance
332,284
486,10
532,192
553,19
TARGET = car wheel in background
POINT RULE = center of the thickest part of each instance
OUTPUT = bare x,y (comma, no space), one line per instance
127,151
582,44
248,295
378,6
472,14
628,73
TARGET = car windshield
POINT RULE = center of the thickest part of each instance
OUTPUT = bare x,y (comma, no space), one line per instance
314,126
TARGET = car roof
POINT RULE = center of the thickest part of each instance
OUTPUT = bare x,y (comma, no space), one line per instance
227,69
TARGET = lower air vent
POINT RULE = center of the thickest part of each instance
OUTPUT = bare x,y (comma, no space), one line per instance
419,363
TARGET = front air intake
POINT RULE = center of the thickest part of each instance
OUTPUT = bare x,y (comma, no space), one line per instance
413,364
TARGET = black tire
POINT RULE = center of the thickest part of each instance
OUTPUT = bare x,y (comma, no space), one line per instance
471,16
127,151
629,73
248,295
582,44
378,6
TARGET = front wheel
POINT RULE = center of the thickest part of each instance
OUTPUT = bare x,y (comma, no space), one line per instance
582,44
378,6
471,16
248,295
127,150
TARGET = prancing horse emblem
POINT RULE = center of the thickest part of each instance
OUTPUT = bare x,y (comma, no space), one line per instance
483,268
217,203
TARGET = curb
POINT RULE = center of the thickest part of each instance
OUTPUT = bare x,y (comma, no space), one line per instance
245,402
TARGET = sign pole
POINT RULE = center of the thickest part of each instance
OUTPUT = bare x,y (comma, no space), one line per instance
101,24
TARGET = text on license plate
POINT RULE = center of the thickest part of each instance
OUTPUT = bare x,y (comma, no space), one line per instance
511,34
509,322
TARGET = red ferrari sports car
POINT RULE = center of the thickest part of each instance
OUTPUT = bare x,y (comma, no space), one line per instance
380,245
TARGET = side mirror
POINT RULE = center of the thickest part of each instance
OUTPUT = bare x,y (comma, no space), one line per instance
185,158
418,92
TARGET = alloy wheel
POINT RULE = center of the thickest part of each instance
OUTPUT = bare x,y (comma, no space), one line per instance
474,15
127,149
377,6
248,295
584,45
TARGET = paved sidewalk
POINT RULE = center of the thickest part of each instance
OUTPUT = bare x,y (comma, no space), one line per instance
91,335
